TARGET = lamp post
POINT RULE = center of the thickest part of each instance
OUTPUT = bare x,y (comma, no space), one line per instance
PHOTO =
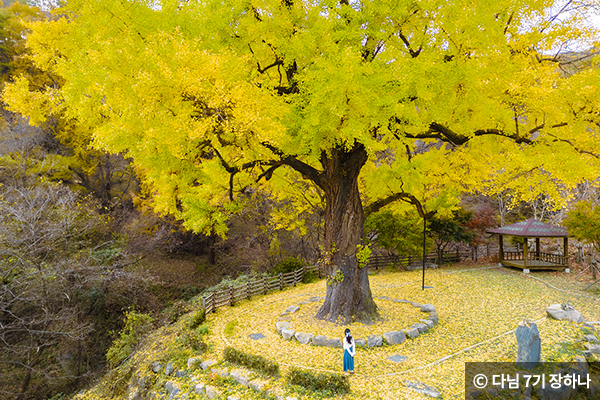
424,245
424,232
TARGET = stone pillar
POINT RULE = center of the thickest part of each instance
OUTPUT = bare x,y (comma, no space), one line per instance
530,345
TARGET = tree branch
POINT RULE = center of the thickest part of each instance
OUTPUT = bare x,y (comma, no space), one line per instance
443,133
413,53
406,197
580,151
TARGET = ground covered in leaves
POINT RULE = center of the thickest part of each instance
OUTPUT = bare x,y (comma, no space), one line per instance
478,308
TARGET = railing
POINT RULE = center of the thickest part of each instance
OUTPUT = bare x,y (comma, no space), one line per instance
455,255
264,285
513,255
532,257
233,294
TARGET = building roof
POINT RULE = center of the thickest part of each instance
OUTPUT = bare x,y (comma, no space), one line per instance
530,228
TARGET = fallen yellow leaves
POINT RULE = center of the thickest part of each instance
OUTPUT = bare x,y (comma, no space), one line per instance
478,311
478,308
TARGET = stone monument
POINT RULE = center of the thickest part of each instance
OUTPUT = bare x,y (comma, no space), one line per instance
530,345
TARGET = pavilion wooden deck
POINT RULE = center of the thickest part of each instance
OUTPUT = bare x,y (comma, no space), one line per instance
534,260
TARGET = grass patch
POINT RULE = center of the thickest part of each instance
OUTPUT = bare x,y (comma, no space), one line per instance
230,327
198,319
251,361
326,383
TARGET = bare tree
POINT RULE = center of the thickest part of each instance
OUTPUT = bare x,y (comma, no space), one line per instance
43,230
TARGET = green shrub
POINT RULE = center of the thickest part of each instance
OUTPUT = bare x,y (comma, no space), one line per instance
194,338
323,382
202,330
309,277
288,265
198,319
251,361
230,327
177,309
227,282
136,326
292,264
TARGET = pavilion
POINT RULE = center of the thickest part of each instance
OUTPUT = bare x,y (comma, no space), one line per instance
525,259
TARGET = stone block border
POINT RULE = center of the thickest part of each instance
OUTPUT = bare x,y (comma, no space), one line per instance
287,332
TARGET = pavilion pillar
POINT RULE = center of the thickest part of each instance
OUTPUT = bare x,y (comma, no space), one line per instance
525,250
500,248
537,249
566,250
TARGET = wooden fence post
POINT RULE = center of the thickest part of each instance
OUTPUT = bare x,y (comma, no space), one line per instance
265,284
281,281
231,298
248,289
204,304
214,304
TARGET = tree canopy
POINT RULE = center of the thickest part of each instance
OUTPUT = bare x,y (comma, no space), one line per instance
369,102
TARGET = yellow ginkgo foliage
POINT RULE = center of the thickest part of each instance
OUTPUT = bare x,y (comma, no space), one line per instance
371,101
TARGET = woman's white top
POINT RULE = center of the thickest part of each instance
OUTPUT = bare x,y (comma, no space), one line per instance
349,346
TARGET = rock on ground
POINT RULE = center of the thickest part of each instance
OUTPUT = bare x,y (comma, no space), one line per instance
281,325
411,332
560,312
321,340
428,322
420,326
257,385
156,367
193,361
256,336
591,338
287,334
374,341
397,358
199,388
292,309
394,337
427,308
423,389
593,348
304,338
169,368
207,364
433,317
239,378
211,392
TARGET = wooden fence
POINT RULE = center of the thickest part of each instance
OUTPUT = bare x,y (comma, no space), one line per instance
262,286
455,255
230,296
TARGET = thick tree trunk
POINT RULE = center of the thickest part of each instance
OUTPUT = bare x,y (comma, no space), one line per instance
348,296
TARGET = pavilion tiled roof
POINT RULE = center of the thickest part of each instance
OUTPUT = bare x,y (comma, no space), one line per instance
530,228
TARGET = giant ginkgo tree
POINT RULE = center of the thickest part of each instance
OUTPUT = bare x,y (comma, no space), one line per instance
371,102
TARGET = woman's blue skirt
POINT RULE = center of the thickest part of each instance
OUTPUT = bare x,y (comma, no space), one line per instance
348,361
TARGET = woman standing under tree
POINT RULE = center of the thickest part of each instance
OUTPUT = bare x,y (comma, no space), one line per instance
349,351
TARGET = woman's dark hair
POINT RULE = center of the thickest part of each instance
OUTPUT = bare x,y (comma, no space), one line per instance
347,334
